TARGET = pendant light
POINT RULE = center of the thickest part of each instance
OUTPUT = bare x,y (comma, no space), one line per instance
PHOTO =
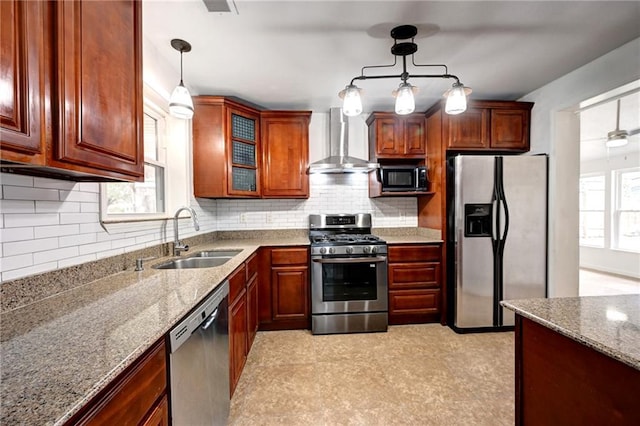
180,104
617,137
405,100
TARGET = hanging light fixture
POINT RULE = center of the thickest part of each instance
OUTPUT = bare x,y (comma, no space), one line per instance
617,137
180,103
405,101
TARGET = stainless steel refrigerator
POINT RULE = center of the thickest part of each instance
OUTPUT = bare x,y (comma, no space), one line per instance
497,237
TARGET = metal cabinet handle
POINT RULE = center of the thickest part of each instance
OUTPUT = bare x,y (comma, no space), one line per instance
377,259
210,320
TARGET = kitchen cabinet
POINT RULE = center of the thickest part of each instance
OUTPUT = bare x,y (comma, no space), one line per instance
497,126
415,277
396,137
238,348
562,381
252,299
226,146
70,113
284,297
136,396
285,154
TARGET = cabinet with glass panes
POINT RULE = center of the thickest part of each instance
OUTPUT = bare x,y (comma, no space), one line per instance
225,148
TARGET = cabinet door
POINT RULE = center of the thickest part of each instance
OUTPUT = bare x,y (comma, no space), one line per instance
285,154
510,129
414,136
252,311
242,153
160,415
237,339
290,292
469,130
414,275
99,88
413,306
389,135
24,79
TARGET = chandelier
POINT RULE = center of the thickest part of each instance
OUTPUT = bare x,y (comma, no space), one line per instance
405,102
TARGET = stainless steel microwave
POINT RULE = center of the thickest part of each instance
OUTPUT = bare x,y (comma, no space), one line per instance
403,178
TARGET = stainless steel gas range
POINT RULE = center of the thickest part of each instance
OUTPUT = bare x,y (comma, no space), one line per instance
348,275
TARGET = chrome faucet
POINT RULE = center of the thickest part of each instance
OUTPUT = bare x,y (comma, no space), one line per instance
178,247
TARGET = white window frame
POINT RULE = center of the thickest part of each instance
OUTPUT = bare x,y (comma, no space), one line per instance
615,216
604,211
173,194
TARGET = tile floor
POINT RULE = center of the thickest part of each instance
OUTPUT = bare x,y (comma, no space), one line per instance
411,375
594,283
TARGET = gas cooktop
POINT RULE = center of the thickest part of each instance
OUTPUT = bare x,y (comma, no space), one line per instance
345,239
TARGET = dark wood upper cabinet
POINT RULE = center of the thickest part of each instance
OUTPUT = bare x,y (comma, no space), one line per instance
285,154
499,126
23,72
76,72
396,137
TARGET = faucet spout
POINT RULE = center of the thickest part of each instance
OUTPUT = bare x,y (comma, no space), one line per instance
178,247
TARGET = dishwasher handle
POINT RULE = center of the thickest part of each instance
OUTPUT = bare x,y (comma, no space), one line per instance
210,320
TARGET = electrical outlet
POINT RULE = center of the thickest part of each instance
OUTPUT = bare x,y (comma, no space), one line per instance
243,218
268,217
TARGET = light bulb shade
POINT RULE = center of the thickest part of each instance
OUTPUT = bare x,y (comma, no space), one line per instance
616,138
405,102
180,104
456,99
351,101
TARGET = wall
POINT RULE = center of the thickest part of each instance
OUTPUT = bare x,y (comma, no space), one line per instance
555,131
606,259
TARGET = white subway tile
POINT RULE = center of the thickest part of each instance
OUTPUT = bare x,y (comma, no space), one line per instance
51,255
16,180
90,207
94,248
88,187
30,246
91,227
76,240
72,261
17,206
16,234
21,220
56,230
57,207
32,270
53,183
109,253
85,197
15,262
24,193
66,218
123,242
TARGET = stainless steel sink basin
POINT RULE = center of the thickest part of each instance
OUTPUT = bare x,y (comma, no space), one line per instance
216,253
193,262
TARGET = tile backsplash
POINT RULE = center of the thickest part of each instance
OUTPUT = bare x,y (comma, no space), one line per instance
47,224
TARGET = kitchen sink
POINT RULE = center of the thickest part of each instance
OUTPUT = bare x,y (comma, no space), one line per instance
202,259
216,253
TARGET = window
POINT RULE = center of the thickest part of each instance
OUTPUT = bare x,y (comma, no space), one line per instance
626,219
592,208
142,199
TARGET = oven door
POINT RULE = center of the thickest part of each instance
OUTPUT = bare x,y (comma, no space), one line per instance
348,284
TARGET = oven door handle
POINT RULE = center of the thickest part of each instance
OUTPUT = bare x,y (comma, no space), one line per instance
376,259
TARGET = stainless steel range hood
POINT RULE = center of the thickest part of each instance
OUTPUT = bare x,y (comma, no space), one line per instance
339,161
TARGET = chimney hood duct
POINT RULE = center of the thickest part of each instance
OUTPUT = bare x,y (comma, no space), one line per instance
339,161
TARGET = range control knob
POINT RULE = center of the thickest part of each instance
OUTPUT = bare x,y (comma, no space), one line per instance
374,249
332,250
323,250
349,250
366,249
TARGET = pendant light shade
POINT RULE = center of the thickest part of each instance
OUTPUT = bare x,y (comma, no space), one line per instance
351,101
405,102
180,103
456,99
617,138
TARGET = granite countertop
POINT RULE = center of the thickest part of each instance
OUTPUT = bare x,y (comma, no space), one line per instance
608,324
59,352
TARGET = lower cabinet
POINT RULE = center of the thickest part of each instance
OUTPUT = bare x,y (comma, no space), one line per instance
284,288
137,396
415,277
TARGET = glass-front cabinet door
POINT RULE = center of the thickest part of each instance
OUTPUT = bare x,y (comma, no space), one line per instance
243,147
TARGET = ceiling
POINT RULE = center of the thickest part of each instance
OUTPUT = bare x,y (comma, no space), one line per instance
300,54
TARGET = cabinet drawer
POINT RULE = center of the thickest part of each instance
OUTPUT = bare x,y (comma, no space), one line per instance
412,253
237,283
134,396
414,275
414,301
289,256
252,266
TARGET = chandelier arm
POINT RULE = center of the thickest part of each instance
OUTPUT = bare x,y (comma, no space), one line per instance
370,77
413,62
395,62
436,76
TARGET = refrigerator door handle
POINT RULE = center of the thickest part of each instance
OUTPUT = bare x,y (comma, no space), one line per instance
505,223
494,220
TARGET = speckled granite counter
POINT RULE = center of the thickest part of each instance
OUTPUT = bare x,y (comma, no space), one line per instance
408,235
57,353
608,324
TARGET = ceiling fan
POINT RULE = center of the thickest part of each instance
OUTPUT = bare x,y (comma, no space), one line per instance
617,137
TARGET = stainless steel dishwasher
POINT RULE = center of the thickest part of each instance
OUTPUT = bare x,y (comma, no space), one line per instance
199,363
